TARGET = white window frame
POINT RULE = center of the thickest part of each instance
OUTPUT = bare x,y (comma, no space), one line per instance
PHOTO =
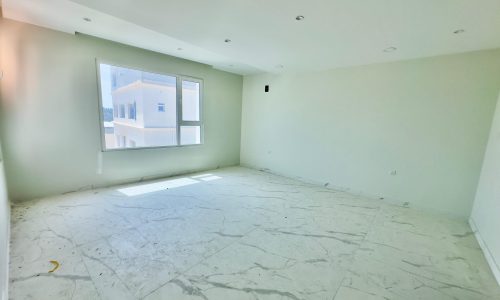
180,122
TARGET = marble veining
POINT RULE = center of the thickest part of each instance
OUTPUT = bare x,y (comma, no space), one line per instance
238,233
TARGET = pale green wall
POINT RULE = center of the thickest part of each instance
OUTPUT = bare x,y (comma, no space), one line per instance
49,114
486,211
428,119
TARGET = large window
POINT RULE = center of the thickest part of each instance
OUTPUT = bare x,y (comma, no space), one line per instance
143,110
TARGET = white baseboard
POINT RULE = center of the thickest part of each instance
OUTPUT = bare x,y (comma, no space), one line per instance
495,269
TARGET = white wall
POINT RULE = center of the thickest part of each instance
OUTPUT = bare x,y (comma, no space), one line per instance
486,211
49,114
4,233
426,119
151,96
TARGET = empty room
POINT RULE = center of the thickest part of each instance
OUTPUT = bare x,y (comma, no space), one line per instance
243,150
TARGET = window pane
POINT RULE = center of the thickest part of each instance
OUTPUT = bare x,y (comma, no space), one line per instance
139,108
161,107
190,135
131,111
190,101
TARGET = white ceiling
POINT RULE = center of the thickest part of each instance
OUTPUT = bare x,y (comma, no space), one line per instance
265,34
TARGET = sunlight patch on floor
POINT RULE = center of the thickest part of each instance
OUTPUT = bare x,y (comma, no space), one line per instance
157,186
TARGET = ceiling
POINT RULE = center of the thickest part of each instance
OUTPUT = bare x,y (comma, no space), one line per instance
266,37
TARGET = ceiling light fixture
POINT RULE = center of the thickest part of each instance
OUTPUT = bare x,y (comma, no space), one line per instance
459,31
299,18
86,19
390,49
227,41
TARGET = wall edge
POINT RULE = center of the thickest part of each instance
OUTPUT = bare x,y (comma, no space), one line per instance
490,259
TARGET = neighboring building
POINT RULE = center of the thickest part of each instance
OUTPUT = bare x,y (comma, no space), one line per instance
144,108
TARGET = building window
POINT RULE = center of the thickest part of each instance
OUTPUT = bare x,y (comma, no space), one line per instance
131,111
122,111
154,125
161,107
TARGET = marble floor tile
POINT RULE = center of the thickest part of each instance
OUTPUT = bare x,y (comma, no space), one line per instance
265,265
424,223
238,233
374,279
139,264
429,257
37,241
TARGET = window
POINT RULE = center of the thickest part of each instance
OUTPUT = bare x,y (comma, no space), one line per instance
147,122
190,135
190,120
131,111
122,111
190,101
161,107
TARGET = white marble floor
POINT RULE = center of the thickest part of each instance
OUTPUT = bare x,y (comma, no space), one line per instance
239,234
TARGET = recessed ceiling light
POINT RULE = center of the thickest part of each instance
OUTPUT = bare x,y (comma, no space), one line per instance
458,31
299,18
87,19
227,41
390,49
